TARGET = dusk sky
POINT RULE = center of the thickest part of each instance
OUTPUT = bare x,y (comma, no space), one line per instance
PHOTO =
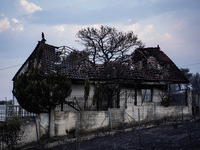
174,25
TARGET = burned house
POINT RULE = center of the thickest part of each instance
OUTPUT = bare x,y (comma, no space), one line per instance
141,78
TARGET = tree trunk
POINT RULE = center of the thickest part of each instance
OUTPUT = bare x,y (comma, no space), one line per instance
52,122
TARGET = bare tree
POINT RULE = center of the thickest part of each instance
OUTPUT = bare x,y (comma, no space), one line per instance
106,44
108,47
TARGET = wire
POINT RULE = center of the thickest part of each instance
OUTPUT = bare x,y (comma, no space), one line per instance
21,64
10,67
190,65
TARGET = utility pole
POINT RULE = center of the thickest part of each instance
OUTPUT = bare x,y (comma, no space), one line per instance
6,107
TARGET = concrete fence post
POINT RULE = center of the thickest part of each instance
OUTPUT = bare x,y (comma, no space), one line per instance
52,122
189,100
182,110
6,115
154,111
76,130
37,125
199,102
123,118
110,119
139,125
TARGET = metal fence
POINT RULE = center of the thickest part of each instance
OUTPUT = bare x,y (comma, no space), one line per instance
8,111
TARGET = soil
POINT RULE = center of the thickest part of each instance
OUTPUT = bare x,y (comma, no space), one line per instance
176,136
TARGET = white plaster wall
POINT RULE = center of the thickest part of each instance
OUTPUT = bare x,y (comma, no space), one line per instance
139,97
171,111
44,122
156,98
93,120
130,97
157,95
30,133
64,122
86,120
152,112
78,89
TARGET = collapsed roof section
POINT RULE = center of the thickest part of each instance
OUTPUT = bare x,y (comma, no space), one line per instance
145,65
154,64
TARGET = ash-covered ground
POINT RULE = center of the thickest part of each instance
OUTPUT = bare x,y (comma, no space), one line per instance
174,136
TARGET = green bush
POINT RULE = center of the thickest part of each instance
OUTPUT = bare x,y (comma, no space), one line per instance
10,132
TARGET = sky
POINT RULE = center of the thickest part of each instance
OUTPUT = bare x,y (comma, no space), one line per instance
174,25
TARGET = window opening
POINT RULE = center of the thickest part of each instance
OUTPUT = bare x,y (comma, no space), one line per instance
146,95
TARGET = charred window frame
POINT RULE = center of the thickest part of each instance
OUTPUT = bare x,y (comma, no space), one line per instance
146,95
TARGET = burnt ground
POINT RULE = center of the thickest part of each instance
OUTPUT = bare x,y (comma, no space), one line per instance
176,136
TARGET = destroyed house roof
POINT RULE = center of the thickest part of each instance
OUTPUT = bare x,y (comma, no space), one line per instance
77,66
160,68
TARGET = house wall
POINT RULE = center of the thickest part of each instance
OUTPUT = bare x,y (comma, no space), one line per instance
127,95
78,92
15,102
130,95
78,89
139,97
157,95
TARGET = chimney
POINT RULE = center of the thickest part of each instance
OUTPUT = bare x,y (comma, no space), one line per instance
43,39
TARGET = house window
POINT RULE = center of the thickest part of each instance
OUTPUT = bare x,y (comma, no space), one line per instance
146,95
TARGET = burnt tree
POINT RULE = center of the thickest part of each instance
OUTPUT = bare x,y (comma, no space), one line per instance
106,44
109,49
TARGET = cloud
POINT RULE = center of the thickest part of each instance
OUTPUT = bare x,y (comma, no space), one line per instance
60,28
140,29
13,24
168,36
16,26
4,24
14,20
133,27
27,7
180,25
146,30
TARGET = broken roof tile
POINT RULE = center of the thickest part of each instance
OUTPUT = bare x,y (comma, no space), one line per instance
77,66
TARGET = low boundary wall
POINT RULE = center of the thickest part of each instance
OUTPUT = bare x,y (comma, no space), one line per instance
66,122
